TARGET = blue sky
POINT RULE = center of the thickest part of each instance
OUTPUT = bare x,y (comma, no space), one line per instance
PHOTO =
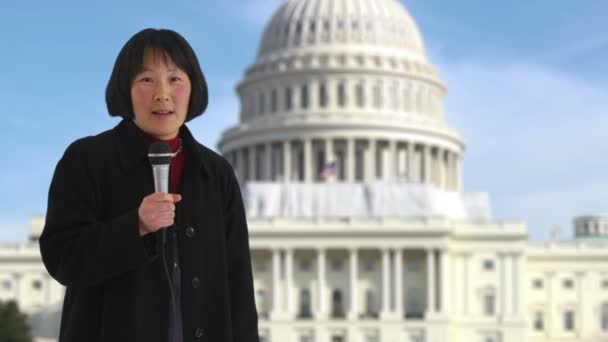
527,80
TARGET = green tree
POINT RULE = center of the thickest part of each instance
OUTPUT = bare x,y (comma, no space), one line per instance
14,325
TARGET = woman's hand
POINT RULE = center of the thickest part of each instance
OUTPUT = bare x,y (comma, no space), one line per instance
157,211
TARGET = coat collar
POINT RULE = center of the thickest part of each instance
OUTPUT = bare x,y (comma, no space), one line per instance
133,146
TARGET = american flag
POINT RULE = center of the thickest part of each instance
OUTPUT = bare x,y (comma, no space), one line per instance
329,170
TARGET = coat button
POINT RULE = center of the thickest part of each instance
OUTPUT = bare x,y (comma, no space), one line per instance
196,283
198,333
190,232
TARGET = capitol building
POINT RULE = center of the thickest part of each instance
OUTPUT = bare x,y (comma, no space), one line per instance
360,228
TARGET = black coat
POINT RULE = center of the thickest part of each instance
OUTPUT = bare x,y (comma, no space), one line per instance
116,286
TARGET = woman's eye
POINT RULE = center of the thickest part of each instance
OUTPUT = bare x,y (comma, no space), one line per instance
175,79
145,79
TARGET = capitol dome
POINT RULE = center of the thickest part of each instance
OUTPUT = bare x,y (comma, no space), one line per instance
343,85
299,26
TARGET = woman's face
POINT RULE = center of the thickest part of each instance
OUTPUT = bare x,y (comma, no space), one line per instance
160,95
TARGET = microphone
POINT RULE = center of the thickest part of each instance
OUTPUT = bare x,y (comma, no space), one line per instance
159,156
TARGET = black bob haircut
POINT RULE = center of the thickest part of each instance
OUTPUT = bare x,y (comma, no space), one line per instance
130,62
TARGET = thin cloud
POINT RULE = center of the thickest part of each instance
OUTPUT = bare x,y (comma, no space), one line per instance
535,139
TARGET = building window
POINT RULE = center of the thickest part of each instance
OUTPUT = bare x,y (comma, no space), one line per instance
273,101
341,95
568,283
488,265
368,265
370,305
6,285
304,96
605,284
306,337
337,304
539,322
322,95
413,265
261,103
305,265
262,303
604,317
378,96
37,284
337,265
288,98
413,305
537,284
337,338
360,94
305,311
260,265
569,320
489,304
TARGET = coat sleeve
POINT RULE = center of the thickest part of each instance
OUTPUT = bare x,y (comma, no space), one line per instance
77,248
242,304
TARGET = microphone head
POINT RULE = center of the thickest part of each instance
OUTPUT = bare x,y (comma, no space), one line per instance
159,153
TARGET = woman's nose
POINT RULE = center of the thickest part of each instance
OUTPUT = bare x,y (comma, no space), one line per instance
161,93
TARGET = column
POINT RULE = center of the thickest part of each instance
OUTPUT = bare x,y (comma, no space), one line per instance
321,310
458,172
392,160
385,283
354,291
289,282
441,168
549,281
276,275
430,280
411,168
580,318
504,287
398,262
17,280
466,268
287,160
445,280
427,164
308,160
350,160
47,288
268,162
240,156
450,171
371,165
329,150
252,157
519,288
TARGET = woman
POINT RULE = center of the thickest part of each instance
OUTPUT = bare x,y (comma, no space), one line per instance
104,238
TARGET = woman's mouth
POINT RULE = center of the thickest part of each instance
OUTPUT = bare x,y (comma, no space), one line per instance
162,112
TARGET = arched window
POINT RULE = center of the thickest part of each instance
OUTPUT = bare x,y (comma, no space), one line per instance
261,299
304,96
288,98
261,103
569,320
305,311
378,103
539,321
341,94
360,94
370,305
273,101
489,304
604,317
323,95
337,305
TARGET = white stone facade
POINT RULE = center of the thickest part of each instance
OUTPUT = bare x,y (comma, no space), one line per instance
390,248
